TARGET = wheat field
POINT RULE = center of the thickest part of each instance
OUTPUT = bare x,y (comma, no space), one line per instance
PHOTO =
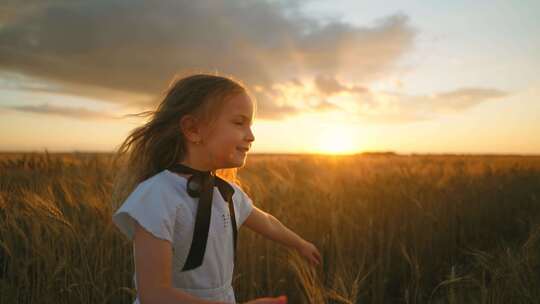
391,229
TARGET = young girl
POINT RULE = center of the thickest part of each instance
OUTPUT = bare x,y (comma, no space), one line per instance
179,213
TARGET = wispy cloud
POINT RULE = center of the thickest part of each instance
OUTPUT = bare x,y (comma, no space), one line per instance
328,94
71,112
387,107
329,85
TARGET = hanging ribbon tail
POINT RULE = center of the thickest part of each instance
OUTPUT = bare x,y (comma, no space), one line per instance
202,220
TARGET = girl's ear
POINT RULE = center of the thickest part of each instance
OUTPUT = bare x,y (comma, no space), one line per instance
190,128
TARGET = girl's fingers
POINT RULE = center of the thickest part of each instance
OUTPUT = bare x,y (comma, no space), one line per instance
310,258
315,260
319,257
314,257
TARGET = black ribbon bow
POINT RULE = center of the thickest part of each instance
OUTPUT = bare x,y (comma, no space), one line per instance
201,184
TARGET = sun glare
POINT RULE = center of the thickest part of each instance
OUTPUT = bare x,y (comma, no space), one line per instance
337,140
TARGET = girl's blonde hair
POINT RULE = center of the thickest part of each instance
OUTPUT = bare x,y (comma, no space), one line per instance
160,143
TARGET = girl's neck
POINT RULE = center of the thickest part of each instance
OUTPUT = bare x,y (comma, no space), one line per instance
194,165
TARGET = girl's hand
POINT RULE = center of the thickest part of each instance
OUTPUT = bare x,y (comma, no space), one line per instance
310,252
278,300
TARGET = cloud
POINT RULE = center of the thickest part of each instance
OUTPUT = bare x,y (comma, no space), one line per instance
127,51
327,94
324,105
71,112
388,107
329,86
277,112
464,98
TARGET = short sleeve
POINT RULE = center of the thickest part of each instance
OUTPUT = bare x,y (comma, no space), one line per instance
243,203
151,206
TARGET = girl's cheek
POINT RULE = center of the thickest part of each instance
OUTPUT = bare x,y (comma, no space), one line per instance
236,134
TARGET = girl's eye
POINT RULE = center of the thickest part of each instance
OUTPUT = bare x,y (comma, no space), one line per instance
239,123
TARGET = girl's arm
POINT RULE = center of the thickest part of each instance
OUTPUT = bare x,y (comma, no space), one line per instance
270,227
153,258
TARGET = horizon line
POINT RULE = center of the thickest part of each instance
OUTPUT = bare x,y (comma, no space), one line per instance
363,153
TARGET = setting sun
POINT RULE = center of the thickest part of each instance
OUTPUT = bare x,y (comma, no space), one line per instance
336,140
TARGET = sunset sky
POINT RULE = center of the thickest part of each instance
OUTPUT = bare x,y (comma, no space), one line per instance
329,76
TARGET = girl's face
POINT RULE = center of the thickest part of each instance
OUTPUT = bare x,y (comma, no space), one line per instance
230,138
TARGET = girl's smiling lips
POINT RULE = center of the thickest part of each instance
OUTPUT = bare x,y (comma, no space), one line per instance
243,149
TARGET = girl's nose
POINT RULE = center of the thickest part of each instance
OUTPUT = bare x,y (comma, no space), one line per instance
250,136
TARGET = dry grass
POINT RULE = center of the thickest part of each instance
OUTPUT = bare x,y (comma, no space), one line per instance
392,229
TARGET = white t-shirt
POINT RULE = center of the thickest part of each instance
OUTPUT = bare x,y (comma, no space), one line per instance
163,207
